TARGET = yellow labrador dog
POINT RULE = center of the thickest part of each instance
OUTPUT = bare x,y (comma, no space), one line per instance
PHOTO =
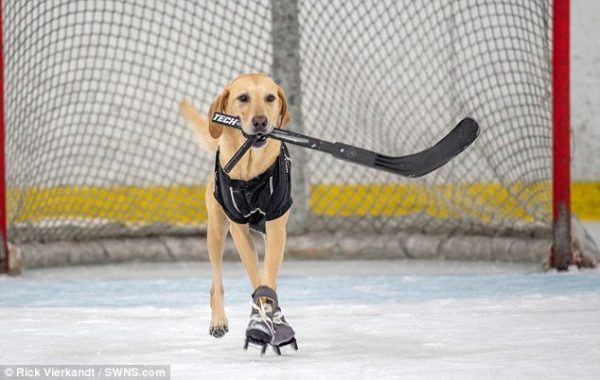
256,194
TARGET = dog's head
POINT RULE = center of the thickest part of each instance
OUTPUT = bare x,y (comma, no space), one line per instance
259,103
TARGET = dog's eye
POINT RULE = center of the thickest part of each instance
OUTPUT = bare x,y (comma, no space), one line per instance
244,98
270,98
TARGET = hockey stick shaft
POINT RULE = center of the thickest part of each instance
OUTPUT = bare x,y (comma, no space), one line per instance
277,134
240,153
412,165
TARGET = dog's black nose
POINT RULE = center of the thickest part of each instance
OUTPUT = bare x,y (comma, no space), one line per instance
259,123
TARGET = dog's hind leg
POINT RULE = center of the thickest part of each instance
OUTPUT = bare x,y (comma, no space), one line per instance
215,240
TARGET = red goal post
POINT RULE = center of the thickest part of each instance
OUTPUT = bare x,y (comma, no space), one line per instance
4,252
562,255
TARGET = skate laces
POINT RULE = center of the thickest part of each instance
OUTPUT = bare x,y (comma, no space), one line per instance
278,318
262,316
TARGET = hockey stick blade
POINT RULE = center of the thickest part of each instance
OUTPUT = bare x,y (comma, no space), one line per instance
424,162
412,165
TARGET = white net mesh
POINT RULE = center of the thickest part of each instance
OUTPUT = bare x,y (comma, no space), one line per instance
395,77
96,147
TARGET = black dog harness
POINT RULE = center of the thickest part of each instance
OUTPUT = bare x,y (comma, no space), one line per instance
260,199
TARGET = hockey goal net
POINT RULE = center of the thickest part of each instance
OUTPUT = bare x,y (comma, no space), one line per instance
98,157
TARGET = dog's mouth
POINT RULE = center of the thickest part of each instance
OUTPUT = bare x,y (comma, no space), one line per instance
259,143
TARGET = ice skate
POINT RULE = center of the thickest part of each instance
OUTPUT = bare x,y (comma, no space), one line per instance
267,324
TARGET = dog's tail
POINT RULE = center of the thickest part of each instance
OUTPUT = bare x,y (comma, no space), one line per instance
199,125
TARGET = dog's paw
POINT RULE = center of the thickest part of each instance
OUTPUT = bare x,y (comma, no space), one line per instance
218,329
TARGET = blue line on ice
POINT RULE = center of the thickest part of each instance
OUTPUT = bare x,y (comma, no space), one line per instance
319,290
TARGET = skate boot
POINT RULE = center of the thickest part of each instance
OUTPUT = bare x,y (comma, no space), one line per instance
284,333
260,330
267,325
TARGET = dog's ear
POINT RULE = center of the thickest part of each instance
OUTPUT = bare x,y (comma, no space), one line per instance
218,105
284,115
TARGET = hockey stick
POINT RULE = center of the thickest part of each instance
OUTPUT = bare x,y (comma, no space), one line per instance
412,165
240,153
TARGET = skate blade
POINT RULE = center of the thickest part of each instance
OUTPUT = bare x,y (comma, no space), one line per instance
259,343
263,345
291,342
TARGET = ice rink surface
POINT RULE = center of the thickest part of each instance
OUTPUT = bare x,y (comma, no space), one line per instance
354,319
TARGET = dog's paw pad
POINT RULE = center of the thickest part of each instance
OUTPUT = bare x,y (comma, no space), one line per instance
218,331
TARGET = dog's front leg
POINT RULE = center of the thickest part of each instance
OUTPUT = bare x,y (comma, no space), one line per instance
274,250
267,323
215,240
245,246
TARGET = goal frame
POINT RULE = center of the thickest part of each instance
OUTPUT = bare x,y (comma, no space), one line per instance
4,252
561,256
